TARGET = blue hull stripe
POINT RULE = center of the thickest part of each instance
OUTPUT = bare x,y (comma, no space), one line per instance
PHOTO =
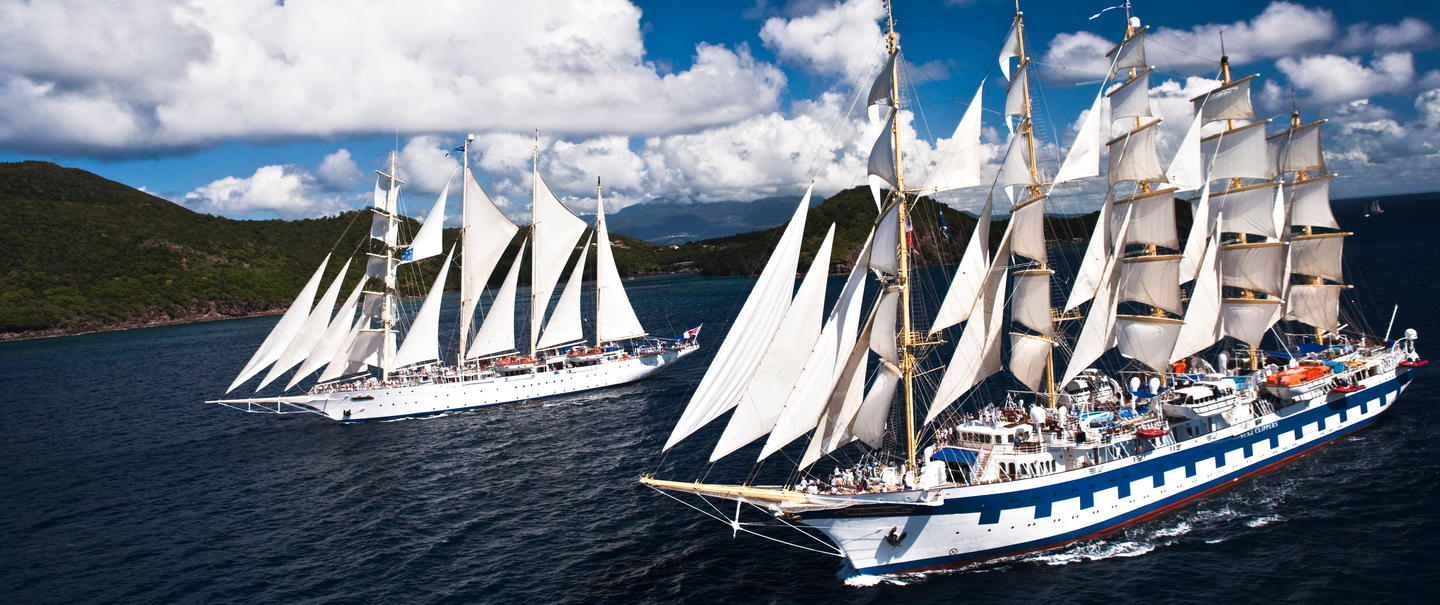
990,506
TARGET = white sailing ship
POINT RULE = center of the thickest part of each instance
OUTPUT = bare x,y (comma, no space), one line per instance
364,375
1068,459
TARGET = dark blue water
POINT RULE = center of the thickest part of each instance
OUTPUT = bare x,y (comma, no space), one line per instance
118,484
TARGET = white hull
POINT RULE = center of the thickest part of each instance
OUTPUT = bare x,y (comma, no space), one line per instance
950,527
434,398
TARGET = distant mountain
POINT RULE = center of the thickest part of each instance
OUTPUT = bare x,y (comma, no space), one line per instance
666,221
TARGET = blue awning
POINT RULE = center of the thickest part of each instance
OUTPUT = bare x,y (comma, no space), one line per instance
954,454
1310,347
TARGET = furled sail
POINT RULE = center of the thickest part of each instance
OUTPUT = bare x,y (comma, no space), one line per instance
422,342
497,331
614,317
959,163
483,238
564,324
310,332
969,274
284,331
739,354
556,231
764,395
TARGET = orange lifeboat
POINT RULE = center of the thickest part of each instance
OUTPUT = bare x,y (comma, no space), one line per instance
1305,372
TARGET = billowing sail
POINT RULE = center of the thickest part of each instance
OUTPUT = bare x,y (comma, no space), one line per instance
1256,266
1151,219
1083,159
1239,153
1028,357
1255,209
1093,262
387,192
310,332
1249,318
1298,150
969,275
1132,98
749,336
340,364
1133,156
1147,339
1009,49
1152,280
1027,228
1030,301
881,88
1309,203
485,235
564,324
1318,255
1187,169
977,353
884,259
1202,316
765,395
1316,305
427,241
497,331
422,342
614,317
556,231
959,163
333,339
1016,91
1227,102
1202,224
284,331
1015,170
1132,51
1097,335
882,162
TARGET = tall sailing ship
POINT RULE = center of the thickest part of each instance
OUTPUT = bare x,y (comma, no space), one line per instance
364,375
1116,439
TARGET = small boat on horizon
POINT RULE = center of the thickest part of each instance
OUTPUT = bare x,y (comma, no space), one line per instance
1373,208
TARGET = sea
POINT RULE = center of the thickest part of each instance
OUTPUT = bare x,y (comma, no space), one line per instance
120,485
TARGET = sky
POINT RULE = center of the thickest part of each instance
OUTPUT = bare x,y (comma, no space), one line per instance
264,109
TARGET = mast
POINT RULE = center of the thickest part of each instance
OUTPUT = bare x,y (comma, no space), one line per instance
387,315
464,224
534,186
599,218
902,276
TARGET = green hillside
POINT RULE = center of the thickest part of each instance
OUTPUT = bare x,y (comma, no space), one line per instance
92,254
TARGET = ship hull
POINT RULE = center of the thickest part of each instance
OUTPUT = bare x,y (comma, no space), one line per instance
427,399
954,527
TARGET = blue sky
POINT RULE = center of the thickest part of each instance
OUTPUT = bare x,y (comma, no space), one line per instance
256,110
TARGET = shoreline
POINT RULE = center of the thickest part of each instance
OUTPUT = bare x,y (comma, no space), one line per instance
136,324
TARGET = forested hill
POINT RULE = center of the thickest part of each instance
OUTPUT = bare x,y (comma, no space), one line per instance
87,253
